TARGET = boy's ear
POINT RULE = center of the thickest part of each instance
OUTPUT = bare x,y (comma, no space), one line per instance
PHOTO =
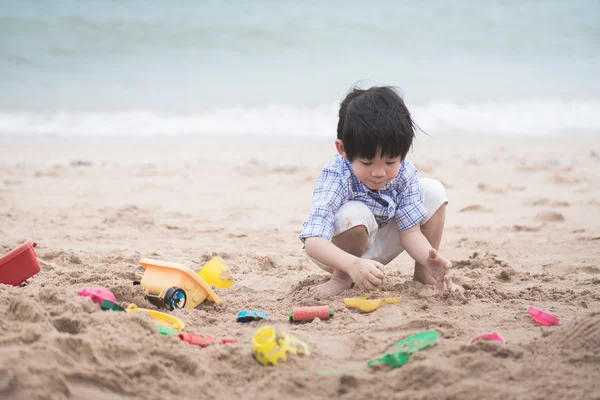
339,146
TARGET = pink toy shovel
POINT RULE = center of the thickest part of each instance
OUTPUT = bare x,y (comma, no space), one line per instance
495,336
543,318
97,294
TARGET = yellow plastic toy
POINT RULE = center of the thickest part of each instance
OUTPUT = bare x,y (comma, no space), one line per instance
215,272
365,305
269,347
160,276
173,322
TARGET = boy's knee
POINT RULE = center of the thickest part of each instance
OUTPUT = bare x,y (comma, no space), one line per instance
432,188
433,195
353,214
354,241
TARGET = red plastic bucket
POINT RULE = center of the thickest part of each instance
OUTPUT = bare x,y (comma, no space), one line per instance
19,265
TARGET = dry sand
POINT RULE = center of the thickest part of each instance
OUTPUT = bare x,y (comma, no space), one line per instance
523,229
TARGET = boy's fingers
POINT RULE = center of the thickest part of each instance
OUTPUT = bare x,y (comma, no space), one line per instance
432,253
368,285
378,273
375,281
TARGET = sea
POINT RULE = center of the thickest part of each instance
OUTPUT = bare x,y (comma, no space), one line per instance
280,67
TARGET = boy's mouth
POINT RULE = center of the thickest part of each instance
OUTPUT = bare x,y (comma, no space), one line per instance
375,183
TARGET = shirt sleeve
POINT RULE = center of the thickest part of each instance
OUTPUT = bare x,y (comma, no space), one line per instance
411,209
326,200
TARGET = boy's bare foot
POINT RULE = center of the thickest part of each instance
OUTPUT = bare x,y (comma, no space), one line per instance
336,285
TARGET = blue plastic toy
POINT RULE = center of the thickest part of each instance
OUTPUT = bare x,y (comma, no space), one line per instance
251,315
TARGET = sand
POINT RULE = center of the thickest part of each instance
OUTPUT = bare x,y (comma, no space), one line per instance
523,229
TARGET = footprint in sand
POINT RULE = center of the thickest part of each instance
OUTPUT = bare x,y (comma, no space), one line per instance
548,202
544,166
475,208
490,189
550,216
590,270
81,163
564,180
523,228
516,188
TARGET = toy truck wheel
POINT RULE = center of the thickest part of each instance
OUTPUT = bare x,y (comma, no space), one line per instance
175,298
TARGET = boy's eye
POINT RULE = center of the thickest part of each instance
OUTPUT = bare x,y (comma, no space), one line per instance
390,162
366,162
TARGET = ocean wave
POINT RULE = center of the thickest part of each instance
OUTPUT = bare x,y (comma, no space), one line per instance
527,117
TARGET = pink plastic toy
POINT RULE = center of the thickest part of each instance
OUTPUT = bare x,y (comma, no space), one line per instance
543,318
495,336
97,294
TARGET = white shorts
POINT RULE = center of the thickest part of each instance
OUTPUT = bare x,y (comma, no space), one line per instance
384,244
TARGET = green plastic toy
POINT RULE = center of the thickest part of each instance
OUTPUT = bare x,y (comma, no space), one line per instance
109,305
166,330
396,360
404,348
418,341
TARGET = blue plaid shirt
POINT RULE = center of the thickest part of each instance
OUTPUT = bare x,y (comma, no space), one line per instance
337,184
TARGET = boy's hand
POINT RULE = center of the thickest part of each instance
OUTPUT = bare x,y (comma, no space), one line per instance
438,267
367,274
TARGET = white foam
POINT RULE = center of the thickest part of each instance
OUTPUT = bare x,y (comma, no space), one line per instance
532,117
545,117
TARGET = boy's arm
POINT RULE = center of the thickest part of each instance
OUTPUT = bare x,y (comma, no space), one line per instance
328,253
409,213
415,244
328,196
317,231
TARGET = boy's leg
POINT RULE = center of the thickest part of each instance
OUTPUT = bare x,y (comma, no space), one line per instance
354,241
432,230
435,199
354,227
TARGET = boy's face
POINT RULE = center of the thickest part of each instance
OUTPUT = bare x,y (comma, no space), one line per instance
373,173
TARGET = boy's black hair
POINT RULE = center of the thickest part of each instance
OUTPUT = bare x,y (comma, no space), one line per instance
373,118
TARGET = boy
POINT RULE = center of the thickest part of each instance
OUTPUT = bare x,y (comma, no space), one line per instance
368,204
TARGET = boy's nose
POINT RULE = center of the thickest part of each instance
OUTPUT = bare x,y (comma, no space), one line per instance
378,173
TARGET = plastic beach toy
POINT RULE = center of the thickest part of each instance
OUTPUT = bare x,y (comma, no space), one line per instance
203,340
175,323
110,305
19,264
251,315
269,347
543,318
495,336
199,340
165,329
216,272
97,294
418,341
160,276
366,305
403,349
310,313
396,359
